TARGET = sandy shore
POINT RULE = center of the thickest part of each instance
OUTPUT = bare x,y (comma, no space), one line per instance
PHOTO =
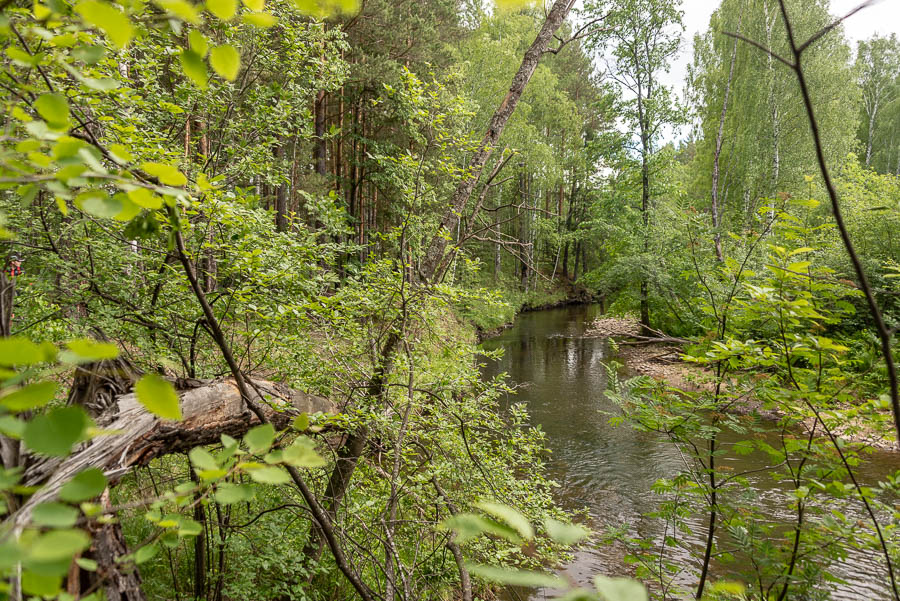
662,362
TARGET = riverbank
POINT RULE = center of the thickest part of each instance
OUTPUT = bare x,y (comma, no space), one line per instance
567,297
662,362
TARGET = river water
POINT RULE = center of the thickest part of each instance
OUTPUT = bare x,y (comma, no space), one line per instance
609,470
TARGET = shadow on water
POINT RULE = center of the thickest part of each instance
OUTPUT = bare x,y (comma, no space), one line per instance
609,470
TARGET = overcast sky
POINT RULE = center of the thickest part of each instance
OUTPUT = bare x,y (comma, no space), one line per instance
883,18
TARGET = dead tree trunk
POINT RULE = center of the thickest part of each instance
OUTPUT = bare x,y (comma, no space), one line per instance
209,410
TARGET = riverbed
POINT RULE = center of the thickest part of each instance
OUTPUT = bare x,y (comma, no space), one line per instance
609,470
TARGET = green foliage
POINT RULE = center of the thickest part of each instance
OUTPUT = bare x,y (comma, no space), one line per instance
158,396
290,162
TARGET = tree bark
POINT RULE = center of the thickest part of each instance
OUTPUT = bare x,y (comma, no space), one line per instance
281,193
872,114
119,582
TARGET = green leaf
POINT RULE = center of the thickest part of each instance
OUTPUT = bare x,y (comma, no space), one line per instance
255,5
86,485
194,67
54,109
146,553
222,9
129,209
90,55
226,61
167,174
469,526
92,350
736,589
16,350
12,427
799,266
270,475
743,447
21,57
55,432
302,453
188,527
620,589
228,493
103,84
261,20
144,198
88,565
158,396
510,516
10,554
260,438
41,585
54,515
181,9
113,23
565,534
198,42
99,204
59,545
120,153
202,459
30,397
301,422
170,539
512,577
326,8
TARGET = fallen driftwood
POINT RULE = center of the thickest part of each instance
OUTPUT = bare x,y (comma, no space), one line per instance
614,327
209,410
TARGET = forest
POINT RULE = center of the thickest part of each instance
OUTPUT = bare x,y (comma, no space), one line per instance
262,260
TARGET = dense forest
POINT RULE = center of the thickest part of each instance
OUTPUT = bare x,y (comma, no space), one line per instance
251,250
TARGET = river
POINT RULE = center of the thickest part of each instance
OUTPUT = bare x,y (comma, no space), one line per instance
609,470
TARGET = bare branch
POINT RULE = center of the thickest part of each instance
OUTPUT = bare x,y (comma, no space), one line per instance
825,30
760,46
582,32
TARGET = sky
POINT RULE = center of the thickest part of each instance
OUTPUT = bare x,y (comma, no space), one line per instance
882,18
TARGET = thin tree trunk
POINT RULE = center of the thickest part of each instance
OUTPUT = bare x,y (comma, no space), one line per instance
281,193
319,145
773,104
200,558
645,221
872,114
717,235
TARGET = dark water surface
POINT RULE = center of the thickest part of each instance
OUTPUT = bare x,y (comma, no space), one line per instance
609,470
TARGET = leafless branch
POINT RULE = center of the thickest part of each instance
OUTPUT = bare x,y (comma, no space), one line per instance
825,30
756,44
582,32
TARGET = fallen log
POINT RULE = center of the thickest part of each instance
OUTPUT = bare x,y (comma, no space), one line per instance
209,410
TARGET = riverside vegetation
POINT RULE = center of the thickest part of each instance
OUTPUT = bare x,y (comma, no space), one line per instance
248,245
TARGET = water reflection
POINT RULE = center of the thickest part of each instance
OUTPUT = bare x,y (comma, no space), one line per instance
609,470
